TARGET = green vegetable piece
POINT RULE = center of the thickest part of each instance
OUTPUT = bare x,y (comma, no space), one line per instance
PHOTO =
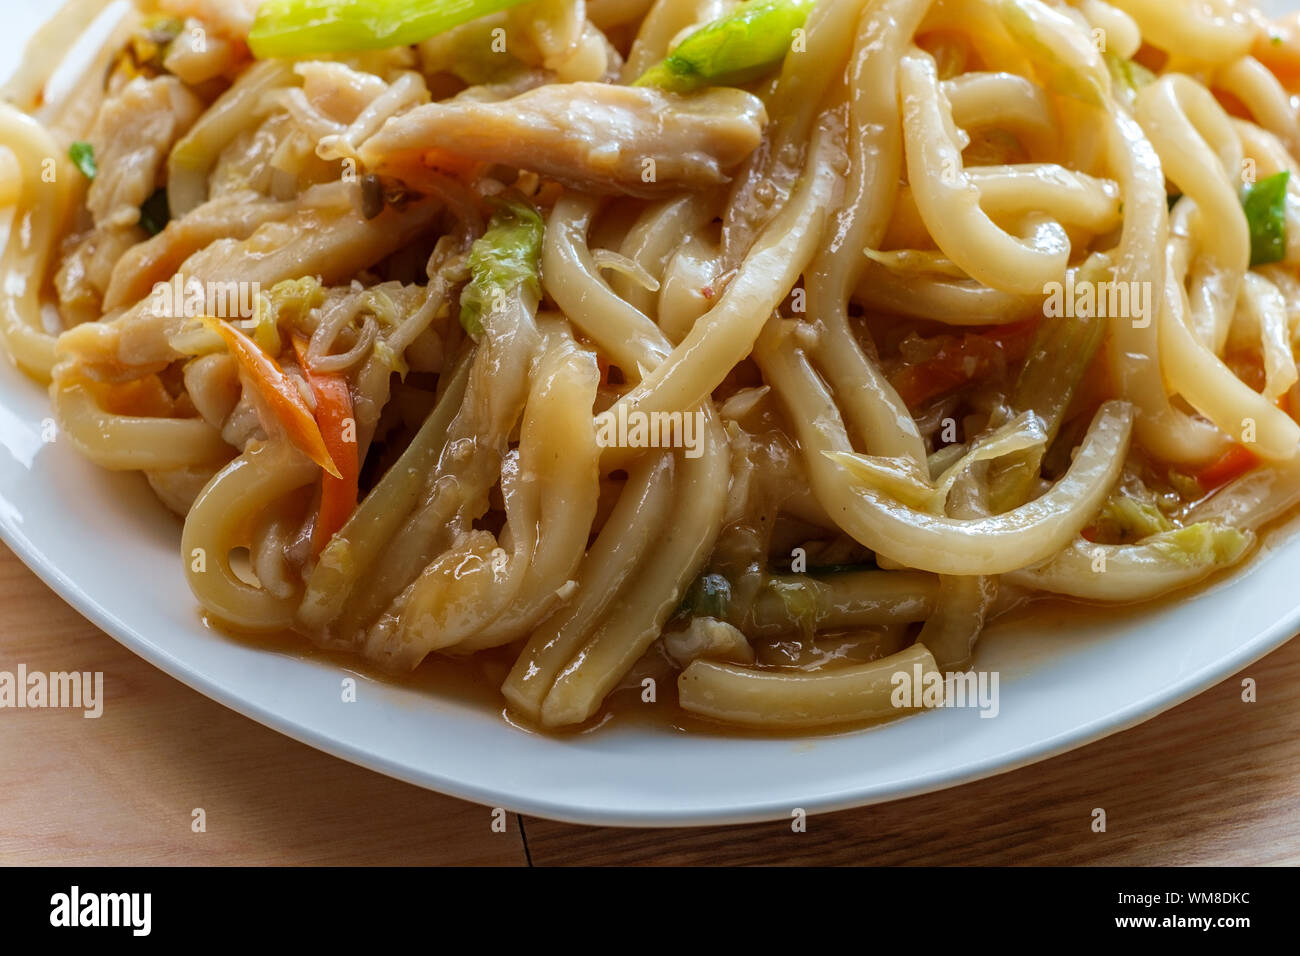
708,596
740,47
1128,76
1129,516
506,258
1205,542
288,28
83,156
800,597
1265,207
163,30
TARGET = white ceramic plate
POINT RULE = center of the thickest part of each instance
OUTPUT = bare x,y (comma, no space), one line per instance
102,542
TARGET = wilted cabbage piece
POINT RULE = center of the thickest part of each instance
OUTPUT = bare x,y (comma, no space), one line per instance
504,260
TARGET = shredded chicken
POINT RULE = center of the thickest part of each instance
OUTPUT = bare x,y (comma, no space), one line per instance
334,243
517,83
231,216
593,136
710,639
212,382
87,270
246,163
134,132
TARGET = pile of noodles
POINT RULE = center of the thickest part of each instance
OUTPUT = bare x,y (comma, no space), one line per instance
851,276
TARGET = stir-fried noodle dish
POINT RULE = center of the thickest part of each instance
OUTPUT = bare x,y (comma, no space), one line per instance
771,347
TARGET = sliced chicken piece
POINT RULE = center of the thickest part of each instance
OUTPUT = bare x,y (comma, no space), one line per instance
640,141
708,639
332,243
131,137
232,216
245,163
134,132
87,272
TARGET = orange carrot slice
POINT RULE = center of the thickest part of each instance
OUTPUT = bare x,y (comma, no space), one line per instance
1233,463
279,393
334,417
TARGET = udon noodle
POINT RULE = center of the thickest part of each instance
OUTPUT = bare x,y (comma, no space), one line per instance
777,345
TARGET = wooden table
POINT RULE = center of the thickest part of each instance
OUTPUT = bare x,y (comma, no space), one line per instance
1213,781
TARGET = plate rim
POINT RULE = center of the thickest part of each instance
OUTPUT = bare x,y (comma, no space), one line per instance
757,811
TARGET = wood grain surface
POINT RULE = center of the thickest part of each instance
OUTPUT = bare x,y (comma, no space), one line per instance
1215,780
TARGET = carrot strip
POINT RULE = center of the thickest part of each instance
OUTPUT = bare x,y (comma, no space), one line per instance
278,392
1233,463
1278,48
957,361
334,417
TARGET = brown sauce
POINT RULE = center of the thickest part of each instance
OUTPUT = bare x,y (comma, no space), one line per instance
476,680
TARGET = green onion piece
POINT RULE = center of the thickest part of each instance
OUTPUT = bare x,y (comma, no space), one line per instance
155,213
505,259
83,155
708,596
740,47
1265,207
288,28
